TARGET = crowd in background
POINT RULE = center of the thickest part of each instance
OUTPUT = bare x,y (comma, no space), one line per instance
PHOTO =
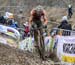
9,20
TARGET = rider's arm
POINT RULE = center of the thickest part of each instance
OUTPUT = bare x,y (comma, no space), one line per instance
31,17
45,18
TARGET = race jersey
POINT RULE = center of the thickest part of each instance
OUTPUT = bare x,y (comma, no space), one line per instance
37,15
38,18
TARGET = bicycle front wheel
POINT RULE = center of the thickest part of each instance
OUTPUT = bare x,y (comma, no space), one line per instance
41,45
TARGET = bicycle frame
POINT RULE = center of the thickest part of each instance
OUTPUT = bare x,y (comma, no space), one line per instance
40,43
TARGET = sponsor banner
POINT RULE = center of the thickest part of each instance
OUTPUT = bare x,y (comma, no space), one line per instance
28,44
2,40
9,31
11,42
49,43
66,48
3,29
10,34
14,32
8,41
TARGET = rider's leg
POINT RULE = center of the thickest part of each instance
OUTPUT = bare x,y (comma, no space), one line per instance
42,45
41,32
36,44
36,38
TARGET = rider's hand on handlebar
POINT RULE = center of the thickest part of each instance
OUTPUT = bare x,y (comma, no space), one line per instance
45,26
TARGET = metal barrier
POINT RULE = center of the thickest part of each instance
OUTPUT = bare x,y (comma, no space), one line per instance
62,32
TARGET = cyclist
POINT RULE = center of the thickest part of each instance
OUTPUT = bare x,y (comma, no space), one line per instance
36,20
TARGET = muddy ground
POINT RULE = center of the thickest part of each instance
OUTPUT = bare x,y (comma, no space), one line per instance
13,56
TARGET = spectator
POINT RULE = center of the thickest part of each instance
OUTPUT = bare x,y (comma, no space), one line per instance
70,12
16,24
12,23
26,30
65,25
3,19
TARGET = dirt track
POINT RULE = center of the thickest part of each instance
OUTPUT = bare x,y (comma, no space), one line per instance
12,56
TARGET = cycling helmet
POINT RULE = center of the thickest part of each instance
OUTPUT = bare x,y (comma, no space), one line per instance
39,8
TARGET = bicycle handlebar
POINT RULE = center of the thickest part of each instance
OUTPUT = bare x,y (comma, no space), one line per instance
37,28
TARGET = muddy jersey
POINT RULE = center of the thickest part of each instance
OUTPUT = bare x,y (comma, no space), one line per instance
37,16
